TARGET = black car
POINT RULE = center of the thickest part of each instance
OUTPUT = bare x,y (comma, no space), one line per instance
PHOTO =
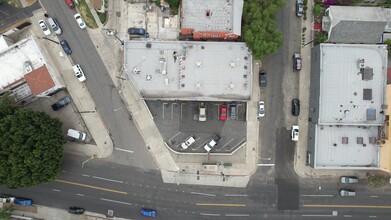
295,107
262,78
61,103
136,31
66,47
76,210
299,8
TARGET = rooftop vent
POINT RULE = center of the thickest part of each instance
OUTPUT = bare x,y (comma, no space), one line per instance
136,70
360,140
367,73
148,77
232,64
198,64
371,114
198,85
372,140
361,63
345,140
148,45
367,94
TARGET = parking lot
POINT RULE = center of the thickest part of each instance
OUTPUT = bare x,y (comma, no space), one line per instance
177,120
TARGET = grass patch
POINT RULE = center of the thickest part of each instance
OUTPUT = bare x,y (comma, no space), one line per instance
86,14
102,17
377,180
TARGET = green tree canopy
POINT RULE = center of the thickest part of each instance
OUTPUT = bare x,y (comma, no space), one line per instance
31,148
259,27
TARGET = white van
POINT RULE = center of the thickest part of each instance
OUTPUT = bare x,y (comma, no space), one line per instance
54,25
79,73
79,135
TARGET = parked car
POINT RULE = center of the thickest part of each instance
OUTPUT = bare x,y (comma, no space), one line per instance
295,107
232,111
70,3
54,25
295,133
136,31
23,201
79,73
261,109
349,179
61,103
188,142
44,27
262,78
202,112
208,146
296,62
76,210
6,198
299,8
223,112
64,44
80,21
347,192
78,135
148,212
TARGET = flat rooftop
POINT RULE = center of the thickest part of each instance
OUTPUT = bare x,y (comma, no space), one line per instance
352,84
346,146
216,15
189,70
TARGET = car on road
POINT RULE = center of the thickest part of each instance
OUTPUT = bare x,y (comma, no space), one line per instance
54,25
295,132
296,62
299,8
349,179
67,49
295,107
70,3
148,212
208,146
347,192
61,103
23,201
136,31
262,78
44,27
223,112
76,210
188,142
261,109
79,73
80,21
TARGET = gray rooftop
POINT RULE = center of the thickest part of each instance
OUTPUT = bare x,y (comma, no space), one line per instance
350,94
189,70
346,146
216,15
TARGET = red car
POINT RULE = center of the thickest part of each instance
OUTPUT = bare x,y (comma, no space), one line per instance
223,112
70,3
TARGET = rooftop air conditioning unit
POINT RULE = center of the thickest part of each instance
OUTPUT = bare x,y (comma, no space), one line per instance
361,63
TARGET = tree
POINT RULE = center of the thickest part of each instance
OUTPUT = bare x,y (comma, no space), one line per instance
31,148
259,26
5,213
388,42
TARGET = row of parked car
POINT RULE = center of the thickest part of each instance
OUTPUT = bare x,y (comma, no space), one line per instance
348,180
208,146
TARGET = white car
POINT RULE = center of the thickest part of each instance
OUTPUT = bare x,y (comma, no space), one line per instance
44,27
79,73
208,146
295,133
80,21
261,109
188,142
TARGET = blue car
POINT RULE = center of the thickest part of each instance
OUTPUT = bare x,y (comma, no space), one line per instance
22,201
66,47
148,212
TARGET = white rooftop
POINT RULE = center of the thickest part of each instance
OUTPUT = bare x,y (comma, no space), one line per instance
346,146
189,70
346,98
12,60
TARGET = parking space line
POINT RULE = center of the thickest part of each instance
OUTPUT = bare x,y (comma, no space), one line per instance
174,137
241,142
164,103
225,144
182,104
172,109
201,145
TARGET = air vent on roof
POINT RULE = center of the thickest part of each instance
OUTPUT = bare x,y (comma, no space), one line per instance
361,63
360,140
367,73
198,64
232,64
367,94
345,140
148,77
136,70
148,45
372,140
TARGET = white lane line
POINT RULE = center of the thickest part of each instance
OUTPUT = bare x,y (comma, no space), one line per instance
266,164
237,215
79,194
204,194
56,190
210,214
86,175
242,195
374,196
101,178
348,216
318,195
372,216
124,150
115,201
317,215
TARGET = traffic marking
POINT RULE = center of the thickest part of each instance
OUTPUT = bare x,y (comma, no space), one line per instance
101,178
92,187
349,206
115,201
217,204
124,150
204,194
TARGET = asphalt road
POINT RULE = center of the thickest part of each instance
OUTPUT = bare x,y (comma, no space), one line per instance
123,132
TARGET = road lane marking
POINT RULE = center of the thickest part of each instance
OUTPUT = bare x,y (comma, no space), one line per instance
111,180
210,214
317,215
242,195
115,201
203,194
266,164
348,216
79,194
217,204
372,216
349,206
237,215
86,175
56,190
124,150
318,195
92,187
374,196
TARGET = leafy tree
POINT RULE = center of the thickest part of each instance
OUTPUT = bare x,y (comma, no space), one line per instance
31,148
320,37
259,26
6,104
377,180
5,213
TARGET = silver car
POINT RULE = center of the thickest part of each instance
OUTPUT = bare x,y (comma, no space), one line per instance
349,179
261,109
347,192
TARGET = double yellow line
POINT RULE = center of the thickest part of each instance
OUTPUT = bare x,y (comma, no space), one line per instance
92,187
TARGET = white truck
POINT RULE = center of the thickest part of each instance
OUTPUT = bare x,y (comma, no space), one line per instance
202,115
